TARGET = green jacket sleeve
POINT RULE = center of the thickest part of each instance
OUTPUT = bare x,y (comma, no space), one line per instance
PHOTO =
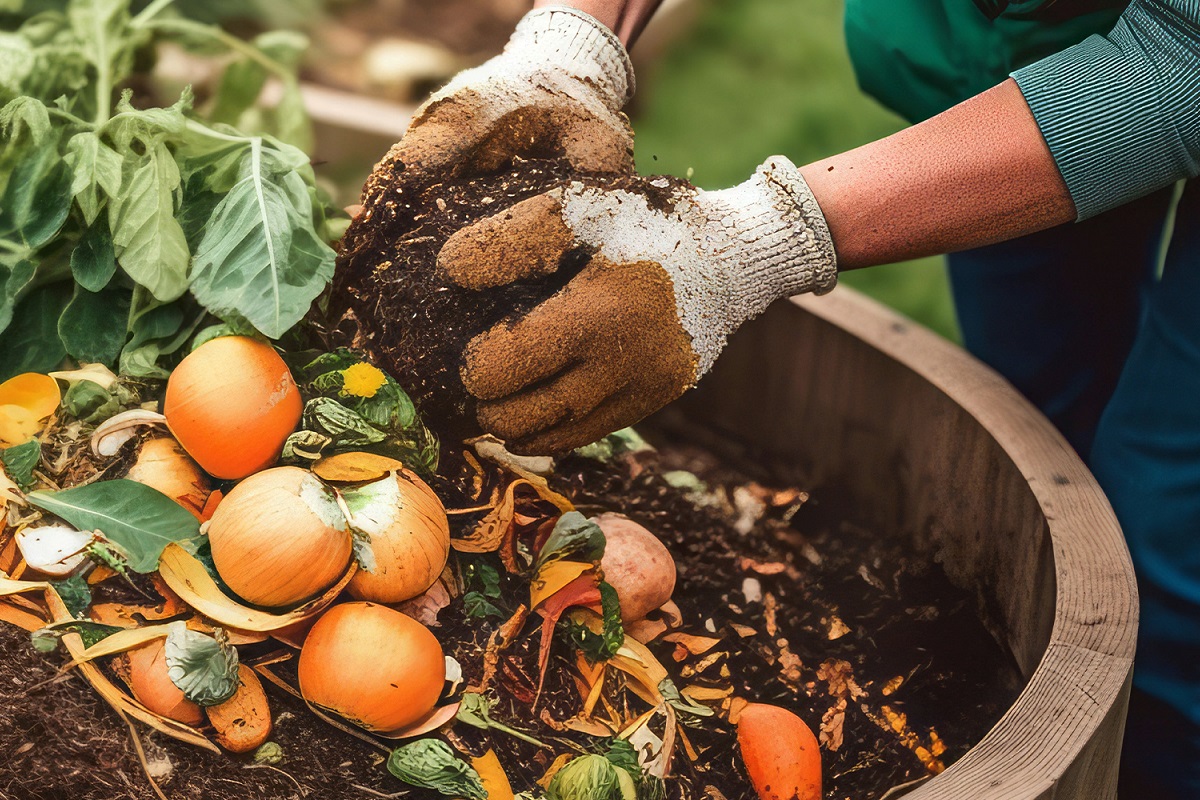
1121,113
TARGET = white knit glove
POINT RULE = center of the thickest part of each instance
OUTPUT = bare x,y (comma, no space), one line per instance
556,91
673,271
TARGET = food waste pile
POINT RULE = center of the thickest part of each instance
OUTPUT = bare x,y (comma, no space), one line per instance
265,539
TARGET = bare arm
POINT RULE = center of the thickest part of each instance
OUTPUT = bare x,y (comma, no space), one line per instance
626,18
976,174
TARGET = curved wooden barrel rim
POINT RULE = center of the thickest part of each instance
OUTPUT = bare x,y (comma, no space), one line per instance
857,395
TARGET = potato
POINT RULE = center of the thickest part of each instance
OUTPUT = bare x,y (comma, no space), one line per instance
637,565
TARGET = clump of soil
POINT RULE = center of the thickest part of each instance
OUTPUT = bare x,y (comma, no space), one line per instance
390,301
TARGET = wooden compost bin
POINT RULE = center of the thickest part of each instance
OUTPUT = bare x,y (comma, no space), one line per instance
933,446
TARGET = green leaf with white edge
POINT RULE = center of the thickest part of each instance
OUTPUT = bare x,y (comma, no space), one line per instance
95,173
261,259
92,326
138,519
19,462
93,261
149,241
203,667
31,343
431,764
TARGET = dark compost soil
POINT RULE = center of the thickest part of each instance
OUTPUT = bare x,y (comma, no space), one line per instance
904,619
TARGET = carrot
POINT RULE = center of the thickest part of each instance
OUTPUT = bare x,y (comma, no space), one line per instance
243,722
781,753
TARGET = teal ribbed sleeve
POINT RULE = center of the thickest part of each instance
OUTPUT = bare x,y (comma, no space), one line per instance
1121,113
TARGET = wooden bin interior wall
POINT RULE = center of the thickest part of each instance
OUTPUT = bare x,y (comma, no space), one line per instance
932,445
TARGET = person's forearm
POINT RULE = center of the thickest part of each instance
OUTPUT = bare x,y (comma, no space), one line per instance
976,174
626,18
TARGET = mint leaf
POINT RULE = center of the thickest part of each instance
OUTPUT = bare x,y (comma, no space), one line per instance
138,519
261,259
92,326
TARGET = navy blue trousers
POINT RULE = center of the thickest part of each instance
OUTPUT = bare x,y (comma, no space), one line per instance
1078,319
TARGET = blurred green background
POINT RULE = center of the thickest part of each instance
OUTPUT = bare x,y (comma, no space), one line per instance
754,78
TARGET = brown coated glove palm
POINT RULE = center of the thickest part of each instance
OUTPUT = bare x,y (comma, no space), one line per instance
673,271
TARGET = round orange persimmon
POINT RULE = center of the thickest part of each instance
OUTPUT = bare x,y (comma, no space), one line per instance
781,754
231,403
371,664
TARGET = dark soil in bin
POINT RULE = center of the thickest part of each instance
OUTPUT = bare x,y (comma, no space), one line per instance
903,618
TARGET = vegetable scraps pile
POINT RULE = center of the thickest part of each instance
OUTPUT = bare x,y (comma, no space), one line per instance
186,554
196,510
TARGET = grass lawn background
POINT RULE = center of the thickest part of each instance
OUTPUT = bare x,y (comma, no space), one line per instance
754,78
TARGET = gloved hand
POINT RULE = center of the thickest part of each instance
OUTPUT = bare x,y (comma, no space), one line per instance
673,271
556,91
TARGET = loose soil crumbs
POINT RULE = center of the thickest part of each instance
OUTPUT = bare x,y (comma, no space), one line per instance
863,638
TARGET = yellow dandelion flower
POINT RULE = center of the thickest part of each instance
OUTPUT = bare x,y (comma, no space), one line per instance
362,380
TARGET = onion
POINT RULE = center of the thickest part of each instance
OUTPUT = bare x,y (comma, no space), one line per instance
231,404
372,665
163,465
637,565
151,685
410,537
55,550
279,537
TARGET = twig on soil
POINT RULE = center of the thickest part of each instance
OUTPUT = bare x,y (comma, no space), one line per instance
380,794
141,754
301,789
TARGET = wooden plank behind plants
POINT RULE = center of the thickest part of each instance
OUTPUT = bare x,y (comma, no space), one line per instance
935,446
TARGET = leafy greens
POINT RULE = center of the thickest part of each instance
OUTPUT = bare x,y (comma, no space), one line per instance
124,229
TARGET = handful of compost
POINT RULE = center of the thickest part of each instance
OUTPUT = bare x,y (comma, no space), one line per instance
513,272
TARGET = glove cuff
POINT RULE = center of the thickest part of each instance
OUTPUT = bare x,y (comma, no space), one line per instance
570,39
779,240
